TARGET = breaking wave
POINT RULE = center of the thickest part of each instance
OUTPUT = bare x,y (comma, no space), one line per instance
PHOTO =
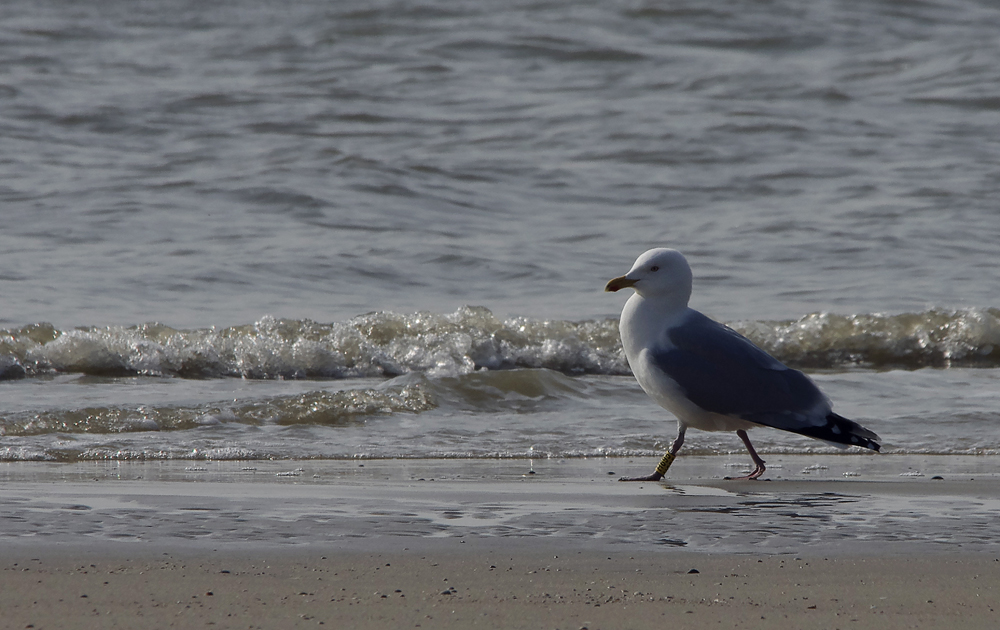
390,344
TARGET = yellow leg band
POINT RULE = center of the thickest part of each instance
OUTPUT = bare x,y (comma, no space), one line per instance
665,463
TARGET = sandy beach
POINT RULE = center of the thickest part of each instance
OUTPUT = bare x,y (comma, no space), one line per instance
523,587
511,544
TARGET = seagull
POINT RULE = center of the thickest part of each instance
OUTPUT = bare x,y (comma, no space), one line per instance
708,375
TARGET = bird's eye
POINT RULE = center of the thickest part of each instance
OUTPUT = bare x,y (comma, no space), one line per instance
654,268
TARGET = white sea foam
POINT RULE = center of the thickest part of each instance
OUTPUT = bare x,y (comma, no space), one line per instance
472,338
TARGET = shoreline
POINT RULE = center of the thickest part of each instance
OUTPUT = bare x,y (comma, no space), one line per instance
826,503
859,465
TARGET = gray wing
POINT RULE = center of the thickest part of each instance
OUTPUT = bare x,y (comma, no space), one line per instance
723,372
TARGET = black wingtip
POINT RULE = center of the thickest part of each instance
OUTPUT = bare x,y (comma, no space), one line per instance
856,434
840,430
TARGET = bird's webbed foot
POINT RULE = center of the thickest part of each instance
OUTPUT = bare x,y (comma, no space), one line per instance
654,477
661,468
757,472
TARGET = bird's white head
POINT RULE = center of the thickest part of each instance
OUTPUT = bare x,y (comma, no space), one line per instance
658,274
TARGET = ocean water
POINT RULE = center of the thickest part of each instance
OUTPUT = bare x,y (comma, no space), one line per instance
248,230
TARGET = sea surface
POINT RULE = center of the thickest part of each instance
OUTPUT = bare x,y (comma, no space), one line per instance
253,230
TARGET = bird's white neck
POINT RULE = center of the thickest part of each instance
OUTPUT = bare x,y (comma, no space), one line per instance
645,321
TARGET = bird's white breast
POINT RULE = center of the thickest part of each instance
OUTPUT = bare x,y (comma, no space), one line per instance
644,326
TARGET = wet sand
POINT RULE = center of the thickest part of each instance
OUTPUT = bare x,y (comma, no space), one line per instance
500,544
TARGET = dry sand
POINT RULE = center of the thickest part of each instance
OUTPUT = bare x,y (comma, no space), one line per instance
500,545
496,589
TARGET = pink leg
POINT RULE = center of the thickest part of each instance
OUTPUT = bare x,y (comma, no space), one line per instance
758,462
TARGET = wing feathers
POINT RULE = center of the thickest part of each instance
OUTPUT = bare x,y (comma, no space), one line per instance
723,372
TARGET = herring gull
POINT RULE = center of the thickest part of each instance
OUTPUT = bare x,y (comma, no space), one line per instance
708,375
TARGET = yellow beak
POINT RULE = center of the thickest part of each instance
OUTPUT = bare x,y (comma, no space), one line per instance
619,283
